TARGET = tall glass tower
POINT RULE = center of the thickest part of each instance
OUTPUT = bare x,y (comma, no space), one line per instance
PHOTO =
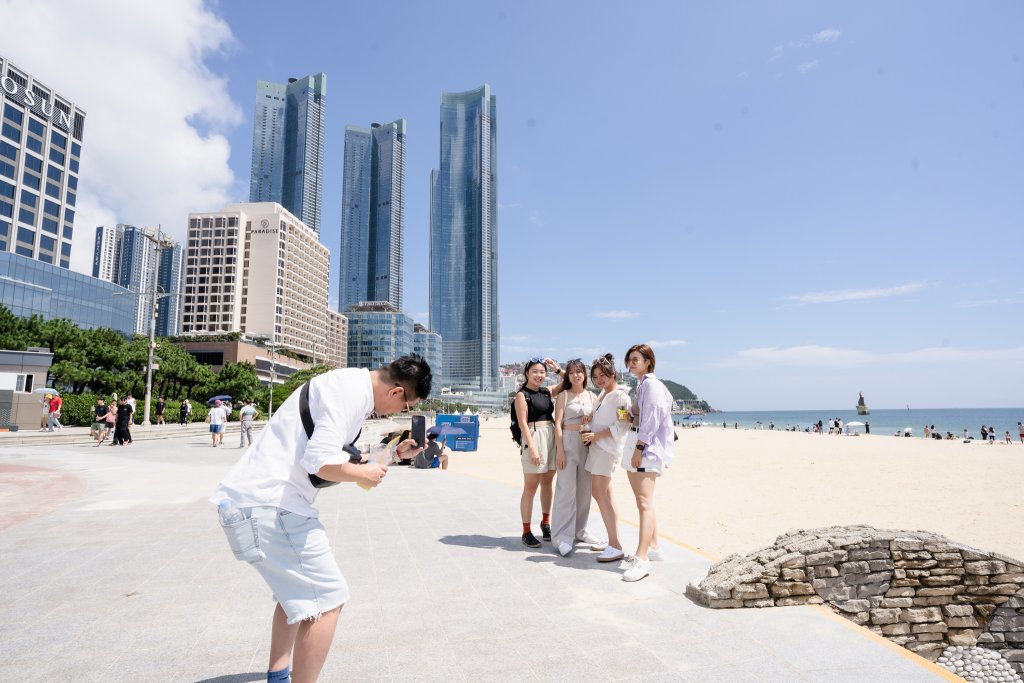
373,215
464,240
288,146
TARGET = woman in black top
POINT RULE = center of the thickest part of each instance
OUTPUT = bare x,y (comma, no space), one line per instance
124,419
535,414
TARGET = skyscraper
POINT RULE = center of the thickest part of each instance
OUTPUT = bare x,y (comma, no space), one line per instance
464,240
40,146
288,146
373,215
126,255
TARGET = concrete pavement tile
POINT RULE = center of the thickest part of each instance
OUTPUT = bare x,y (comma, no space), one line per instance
872,674
724,673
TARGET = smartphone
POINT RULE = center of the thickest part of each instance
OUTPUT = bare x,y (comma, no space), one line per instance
419,429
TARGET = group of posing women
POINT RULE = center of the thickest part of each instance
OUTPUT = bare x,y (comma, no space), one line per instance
583,437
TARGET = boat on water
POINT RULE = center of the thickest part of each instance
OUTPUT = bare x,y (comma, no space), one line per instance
862,408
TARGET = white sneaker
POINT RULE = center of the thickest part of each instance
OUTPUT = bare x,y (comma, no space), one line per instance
627,562
564,548
654,555
610,554
588,539
638,570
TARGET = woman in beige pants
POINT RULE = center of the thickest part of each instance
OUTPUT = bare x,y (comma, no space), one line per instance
573,410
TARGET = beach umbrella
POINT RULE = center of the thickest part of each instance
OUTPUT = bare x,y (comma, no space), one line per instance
47,390
445,430
854,424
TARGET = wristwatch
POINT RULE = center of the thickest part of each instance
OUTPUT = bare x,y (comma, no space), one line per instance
640,446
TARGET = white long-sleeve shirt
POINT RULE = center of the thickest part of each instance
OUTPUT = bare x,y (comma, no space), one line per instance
606,416
275,469
654,428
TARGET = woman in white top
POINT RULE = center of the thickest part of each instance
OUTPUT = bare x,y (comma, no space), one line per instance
651,453
573,410
609,426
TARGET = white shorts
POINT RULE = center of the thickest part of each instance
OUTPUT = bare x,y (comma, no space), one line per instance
292,554
649,464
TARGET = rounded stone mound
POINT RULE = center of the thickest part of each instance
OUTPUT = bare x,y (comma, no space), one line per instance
918,589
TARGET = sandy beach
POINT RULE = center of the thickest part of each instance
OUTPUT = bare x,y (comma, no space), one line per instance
736,490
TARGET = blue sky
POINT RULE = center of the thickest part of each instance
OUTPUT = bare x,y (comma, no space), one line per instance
793,202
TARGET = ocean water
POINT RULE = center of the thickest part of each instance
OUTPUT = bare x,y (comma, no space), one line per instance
884,422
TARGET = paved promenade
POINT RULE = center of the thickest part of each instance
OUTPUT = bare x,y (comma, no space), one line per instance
113,568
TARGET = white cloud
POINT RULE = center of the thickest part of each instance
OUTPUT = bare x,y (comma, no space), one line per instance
807,67
152,149
667,342
518,338
857,294
535,217
826,36
616,314
835,357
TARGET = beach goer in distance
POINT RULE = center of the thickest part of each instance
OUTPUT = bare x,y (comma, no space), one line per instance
646,458
574,408
610,426
536,418
1008,439
280,534
122,433
1020,431
99,423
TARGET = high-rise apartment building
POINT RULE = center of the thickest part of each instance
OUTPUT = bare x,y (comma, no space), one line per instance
288,146
373,215
126,255
40,147
257,269
168,281
464,240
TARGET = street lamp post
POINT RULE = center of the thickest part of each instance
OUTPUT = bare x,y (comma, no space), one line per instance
273,377
158,243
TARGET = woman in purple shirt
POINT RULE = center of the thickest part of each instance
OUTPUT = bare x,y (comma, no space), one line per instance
650,454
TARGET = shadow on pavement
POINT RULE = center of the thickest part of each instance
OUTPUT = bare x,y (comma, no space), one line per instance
483,542
236,678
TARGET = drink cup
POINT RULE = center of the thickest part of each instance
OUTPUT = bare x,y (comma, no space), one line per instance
586,434
623,414
381,455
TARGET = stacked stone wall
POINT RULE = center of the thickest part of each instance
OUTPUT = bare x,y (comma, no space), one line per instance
918,589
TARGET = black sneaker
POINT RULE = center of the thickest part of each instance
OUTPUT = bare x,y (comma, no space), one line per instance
545,531
530,541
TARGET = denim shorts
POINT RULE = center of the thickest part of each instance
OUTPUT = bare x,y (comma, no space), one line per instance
292,554
216,429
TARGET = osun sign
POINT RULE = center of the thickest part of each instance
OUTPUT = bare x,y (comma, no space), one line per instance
48,110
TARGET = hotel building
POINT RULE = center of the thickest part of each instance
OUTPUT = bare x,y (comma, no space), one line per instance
40,147
257,269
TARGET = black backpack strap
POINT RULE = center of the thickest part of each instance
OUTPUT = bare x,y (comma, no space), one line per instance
307,419
354,456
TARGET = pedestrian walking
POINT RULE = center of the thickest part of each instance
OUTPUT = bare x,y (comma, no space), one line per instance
53,421
217,419
271,493
99,423
245,419
161,405
122,424
184,412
